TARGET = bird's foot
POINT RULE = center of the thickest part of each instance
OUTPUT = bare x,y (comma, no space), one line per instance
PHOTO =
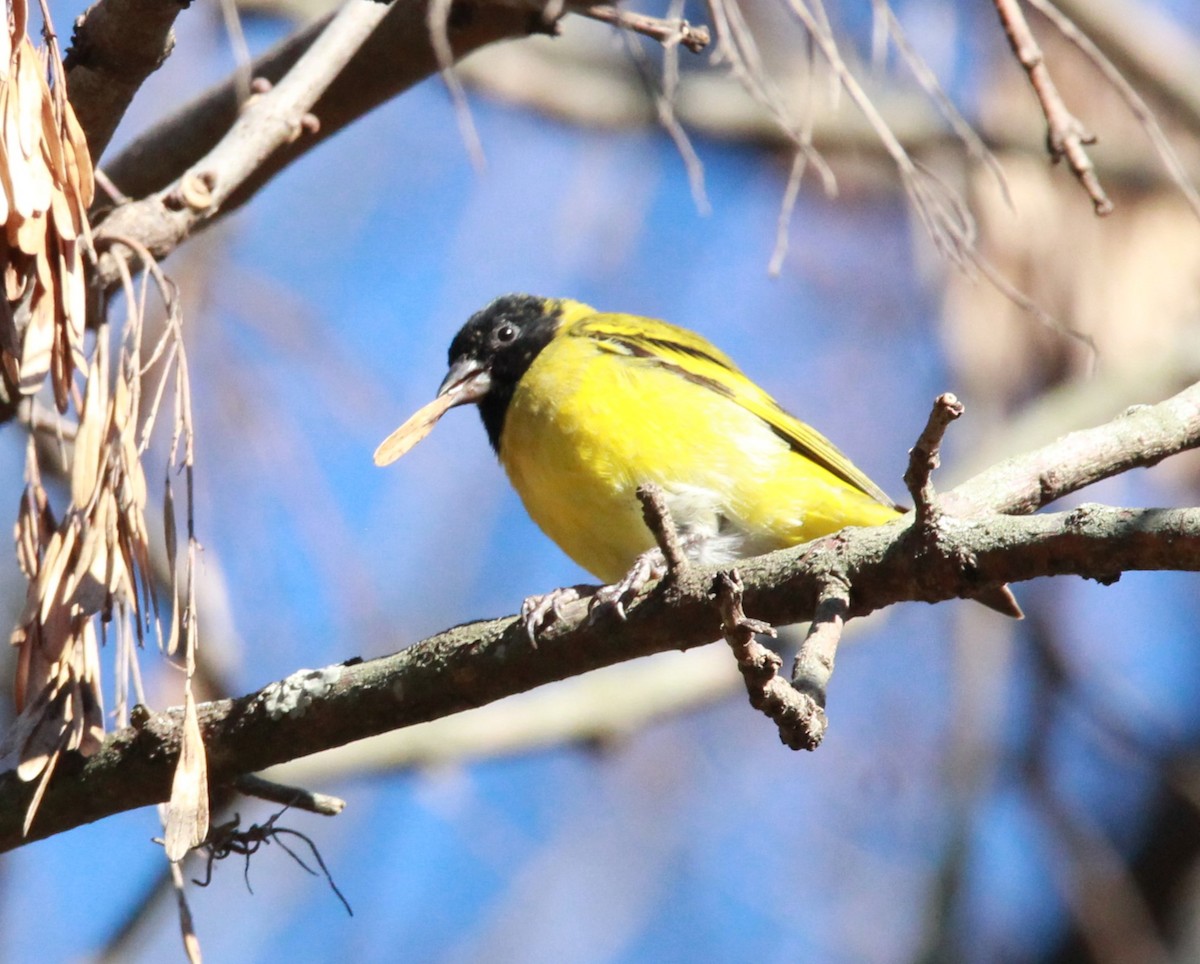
537,612
646,568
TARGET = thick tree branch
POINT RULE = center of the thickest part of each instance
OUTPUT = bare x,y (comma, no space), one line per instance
1141,437
478,663
397,55
164,219
115,46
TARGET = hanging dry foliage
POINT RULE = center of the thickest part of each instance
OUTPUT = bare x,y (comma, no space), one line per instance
82,567
82,570
46,187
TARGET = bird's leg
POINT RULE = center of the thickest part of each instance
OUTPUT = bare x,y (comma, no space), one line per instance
538,611
651,565
646,568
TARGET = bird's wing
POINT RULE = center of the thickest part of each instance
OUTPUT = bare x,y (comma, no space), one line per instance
699,361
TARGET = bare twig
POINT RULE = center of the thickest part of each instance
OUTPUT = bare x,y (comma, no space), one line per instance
243,72
787,206
297,798
1138,438
888,25
666,32
1136,103
737,48
1032,308
664,107
925,456
923,459
394,58
800,720
438,21
165,218
187,926
1065,134
662,527
1161,55
813,665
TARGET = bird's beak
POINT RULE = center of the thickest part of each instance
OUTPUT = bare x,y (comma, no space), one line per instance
467,381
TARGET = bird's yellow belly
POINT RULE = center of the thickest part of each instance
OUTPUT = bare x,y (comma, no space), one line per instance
577,446
577,482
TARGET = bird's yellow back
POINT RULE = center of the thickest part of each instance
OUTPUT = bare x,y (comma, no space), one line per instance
614,401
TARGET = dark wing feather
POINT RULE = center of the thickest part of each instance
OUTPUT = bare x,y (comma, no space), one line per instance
698,360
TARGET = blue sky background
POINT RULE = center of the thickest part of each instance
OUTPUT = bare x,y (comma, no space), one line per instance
320,319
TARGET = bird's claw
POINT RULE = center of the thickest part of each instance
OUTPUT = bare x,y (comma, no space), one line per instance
537,612
648,567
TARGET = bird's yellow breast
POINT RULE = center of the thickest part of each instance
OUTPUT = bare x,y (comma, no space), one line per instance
588,424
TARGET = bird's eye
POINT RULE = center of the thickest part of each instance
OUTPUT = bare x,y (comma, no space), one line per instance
506,334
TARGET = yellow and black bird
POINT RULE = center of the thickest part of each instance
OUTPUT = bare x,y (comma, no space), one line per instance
583,406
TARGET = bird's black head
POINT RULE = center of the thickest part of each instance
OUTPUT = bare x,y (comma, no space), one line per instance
494,349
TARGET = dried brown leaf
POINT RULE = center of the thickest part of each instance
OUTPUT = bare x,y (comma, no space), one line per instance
74,298
55,564
61,360
16,278
187,813
40,184
45,730
120,577
34,528
133,488
28,235
67,714
176,635
27,536
43,258
93,426
62,215
92,705
47,772
170,537
15,173
22,640
5,178
78,160
37,344
52,143
135,551
6,49
29,84
19,12
187,926
85,587
32,182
